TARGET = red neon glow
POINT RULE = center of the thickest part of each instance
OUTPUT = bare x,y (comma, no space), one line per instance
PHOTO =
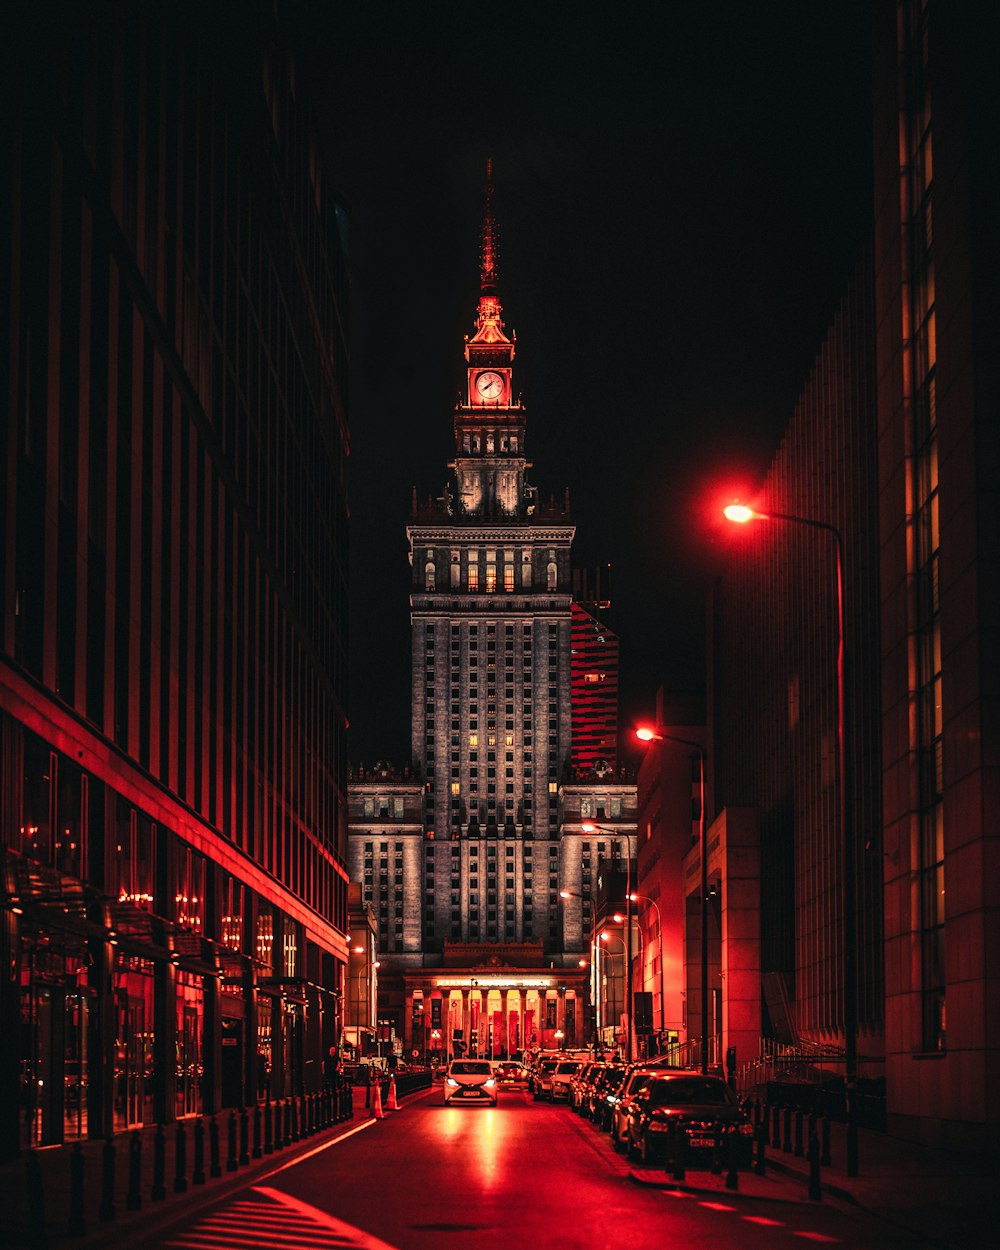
739,513
645,734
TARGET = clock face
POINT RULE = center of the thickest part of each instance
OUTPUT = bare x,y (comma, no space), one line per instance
489,385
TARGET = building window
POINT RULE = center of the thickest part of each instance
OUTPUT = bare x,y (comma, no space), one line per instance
473,577
429,575
508,577
491,578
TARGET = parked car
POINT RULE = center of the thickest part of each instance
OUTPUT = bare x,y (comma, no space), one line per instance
609,1078
578,1084
701,1105
544,1068
556,1085
621,1100
470,1080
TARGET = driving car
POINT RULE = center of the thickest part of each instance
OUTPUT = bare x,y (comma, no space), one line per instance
509,1072
703,1106
470,1080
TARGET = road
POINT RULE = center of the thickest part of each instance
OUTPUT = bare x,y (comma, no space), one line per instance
524,1174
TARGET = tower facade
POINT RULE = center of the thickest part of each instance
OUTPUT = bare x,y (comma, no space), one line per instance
490,611
484,911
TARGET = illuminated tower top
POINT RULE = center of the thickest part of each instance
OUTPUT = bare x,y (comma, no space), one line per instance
489,422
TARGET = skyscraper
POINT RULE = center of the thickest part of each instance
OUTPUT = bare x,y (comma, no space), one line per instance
492,719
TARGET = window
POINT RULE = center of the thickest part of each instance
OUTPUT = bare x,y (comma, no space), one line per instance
491,578
429,575
551,577
473,577
508,577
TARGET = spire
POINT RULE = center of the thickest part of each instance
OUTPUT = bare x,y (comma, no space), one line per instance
489,326
488,266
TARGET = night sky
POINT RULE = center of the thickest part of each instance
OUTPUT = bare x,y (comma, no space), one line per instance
682,193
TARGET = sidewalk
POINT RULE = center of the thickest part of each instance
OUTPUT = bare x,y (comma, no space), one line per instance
130,1227
936,1195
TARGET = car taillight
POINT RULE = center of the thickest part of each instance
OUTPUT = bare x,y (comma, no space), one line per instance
747,1129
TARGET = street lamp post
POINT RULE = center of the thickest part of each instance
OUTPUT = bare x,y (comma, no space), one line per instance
588,826
606,937
741,515
659,930
652,735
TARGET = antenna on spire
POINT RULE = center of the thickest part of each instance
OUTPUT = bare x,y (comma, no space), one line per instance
488,266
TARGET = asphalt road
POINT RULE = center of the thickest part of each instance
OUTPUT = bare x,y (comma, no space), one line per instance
524,1174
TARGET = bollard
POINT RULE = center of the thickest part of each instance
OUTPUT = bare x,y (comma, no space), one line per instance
310,1114
244,1137
133,1200
759,1163
159,1191
732,1161
786,1131
77,1225
776,1128
36,1202
180,1159
799,1151
268,1128
215,1166
231,1143
294,1134
107,1210
258,1149
287,1117
198,1173
815,1190
825,1153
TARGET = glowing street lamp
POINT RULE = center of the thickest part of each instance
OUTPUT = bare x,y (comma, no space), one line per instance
635,898
741,514
646,734
588,826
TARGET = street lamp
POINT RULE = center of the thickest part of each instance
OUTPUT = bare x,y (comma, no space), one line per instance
606,937
659,930
645,734
588,826
741,514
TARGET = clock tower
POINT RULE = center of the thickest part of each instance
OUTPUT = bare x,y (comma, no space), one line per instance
489,422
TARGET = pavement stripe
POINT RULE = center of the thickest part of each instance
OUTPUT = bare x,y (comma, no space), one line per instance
817,1237
356,1235
276,1220
716,1206
763,1219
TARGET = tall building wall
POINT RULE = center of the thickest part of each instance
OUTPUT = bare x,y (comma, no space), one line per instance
594,668
174,538
937,202
773,688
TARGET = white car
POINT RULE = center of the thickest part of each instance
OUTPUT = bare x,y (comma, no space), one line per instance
470,1080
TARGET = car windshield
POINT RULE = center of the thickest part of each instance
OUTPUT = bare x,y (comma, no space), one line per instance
471,1067
547,1065
639,1080
567,1068
612,1075
696,1091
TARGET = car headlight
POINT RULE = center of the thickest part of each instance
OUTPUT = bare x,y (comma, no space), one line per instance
489,1082
451,1081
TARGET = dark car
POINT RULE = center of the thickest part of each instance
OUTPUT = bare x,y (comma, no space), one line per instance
608,1079
580,1083
621,1101
701,1106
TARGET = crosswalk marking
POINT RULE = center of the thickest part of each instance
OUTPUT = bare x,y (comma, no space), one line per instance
287,1223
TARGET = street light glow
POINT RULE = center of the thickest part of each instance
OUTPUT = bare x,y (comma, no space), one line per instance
739,513
645,734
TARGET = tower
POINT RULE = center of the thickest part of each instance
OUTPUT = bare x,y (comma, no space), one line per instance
490,611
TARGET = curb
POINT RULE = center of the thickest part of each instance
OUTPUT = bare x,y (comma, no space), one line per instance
845,1195
704,1191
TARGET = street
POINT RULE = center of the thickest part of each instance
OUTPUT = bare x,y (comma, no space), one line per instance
524,1173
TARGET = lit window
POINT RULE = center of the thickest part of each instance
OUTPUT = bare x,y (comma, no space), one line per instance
473,740
491,578
510,740
508,577
473,577
429,575
455,787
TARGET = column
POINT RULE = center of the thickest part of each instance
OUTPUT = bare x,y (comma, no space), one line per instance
561,1014
407,1023
466,1019
522,1041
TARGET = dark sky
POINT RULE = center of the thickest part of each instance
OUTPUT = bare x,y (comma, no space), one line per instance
681,191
